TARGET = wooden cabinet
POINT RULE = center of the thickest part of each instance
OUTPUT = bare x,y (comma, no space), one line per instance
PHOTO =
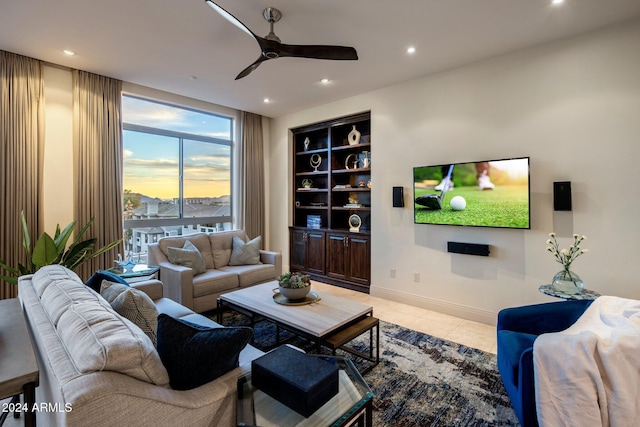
307,251
332,182
348,257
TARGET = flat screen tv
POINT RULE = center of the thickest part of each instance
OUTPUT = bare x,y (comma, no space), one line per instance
493,193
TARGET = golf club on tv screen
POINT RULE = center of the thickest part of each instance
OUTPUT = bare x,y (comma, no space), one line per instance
492,193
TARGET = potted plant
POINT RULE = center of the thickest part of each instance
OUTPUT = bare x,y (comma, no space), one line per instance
53,250
294,286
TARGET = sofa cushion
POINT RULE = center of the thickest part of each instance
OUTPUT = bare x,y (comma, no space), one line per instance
188,256
214,281
60,294
134,305
199,240
98,339
49,274
251,274
195,354
95,281
245,253
222,245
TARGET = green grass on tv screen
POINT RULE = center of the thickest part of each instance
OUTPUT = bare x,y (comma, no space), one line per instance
505,206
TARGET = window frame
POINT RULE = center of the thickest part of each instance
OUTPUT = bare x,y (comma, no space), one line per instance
231,142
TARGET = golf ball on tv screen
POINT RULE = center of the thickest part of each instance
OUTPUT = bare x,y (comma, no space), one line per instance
458,203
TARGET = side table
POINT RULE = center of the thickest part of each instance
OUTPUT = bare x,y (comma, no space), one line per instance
19,372
553,292
137,273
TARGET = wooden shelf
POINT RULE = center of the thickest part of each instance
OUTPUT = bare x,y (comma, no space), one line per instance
352,147
356,170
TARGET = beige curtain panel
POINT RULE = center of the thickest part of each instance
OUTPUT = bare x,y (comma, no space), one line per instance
21,148
98,163
252,175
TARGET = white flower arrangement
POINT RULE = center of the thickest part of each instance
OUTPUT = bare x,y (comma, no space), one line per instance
566,256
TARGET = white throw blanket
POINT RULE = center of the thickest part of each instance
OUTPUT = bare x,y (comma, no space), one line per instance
589,374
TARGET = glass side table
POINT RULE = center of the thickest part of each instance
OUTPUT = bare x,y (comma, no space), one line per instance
352,406
553,292
137,273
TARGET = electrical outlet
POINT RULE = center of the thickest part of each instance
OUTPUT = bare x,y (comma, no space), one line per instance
416,276
392,273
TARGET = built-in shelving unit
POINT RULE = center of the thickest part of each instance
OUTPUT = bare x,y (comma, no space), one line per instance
332,182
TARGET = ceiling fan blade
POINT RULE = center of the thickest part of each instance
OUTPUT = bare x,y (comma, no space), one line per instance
250,68
229,17
340,53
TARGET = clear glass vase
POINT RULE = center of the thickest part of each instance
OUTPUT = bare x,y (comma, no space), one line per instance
568,282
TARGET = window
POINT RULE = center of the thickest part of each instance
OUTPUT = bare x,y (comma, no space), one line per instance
177,172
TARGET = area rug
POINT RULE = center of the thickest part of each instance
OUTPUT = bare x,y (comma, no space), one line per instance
421,380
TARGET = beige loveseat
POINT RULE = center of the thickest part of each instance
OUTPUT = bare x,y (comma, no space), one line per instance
200,292
100,373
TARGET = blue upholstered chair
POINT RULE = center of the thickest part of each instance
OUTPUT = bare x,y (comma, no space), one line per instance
518,328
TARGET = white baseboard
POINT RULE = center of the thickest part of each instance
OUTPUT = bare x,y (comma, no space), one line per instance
452,309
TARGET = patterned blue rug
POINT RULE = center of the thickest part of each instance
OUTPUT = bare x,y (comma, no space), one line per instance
421,380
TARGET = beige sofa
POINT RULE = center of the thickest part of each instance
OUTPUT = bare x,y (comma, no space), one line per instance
200,292
87,377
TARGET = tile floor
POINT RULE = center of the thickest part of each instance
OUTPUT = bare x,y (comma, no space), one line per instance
471,334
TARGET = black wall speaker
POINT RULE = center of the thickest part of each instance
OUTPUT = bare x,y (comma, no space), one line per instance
468,248
398,197
562,196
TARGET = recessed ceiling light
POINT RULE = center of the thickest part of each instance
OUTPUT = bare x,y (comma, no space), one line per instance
266,100
68,52
411,50
192,78
556,2
324,81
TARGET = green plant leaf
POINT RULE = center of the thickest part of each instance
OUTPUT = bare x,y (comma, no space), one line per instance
9,279
62,237
26,239
106,248
84,230
78,253
9,269
45,251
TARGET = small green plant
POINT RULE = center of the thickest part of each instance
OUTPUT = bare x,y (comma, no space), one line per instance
53,250
294,280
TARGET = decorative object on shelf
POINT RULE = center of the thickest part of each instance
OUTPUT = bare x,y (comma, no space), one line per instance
369,184
361,183
306,143
294,286
351,160
567,281
314,221
354,223
317,203
354,136
341,186
307,183
364,159
297,203
315,162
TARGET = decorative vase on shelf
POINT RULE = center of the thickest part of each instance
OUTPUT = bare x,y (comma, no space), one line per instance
568,282
354,136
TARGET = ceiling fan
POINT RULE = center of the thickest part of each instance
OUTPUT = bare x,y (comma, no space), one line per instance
272,48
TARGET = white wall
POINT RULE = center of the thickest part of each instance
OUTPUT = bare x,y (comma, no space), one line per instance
572,106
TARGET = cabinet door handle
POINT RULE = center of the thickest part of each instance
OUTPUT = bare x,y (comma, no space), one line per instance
346,242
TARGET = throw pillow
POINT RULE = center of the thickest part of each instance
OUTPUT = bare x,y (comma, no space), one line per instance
188,256
95,281
245,253
134,305
195,355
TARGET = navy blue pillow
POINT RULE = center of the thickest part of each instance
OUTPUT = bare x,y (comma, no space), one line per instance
95,281
194,354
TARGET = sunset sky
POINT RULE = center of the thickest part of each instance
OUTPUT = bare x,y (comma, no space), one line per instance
151,162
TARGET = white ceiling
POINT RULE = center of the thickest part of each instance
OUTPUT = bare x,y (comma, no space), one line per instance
163,43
